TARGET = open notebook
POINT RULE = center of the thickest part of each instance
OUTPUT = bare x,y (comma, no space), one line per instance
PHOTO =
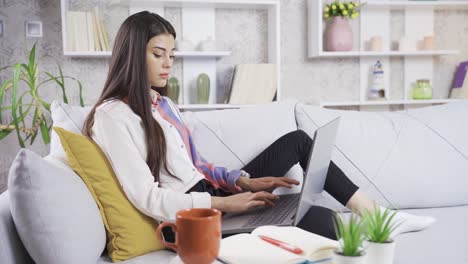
249,248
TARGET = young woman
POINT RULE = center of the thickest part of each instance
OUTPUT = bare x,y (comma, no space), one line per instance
156,162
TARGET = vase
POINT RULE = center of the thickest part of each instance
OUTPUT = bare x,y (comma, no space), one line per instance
381,253
203,88
173,89
339,258
338,35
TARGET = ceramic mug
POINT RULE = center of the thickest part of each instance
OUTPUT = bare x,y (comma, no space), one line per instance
197,235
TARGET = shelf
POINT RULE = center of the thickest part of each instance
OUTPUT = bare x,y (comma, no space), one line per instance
389,102
333,54
405,4
87,54
202,54
178,54
211,106
243,4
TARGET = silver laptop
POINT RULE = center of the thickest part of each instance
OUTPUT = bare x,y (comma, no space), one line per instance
290,208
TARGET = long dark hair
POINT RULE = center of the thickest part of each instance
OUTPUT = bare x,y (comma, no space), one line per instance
127,79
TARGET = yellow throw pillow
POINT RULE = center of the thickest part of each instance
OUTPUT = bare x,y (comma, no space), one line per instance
130,233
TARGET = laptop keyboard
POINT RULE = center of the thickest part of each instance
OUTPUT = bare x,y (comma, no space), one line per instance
277,213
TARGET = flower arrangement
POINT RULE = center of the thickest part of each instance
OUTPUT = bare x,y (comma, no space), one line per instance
341,9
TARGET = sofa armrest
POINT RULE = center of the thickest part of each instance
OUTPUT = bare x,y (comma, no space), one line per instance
12,250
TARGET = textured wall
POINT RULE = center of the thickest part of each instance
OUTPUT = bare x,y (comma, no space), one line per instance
242,31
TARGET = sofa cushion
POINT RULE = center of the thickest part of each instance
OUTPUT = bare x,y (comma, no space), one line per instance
130,233
56,216
161,256
443,242
405,159
232,138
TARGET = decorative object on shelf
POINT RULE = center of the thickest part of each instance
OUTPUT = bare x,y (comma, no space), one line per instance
406,44
351,236
207,45
2,28
253,84
422,89
379,226
459,88
173,89
185,45
428,43
203,88
33,29
21,111
377,85
376,43
338,34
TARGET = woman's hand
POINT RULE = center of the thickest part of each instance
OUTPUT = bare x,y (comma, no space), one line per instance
243,202
265,183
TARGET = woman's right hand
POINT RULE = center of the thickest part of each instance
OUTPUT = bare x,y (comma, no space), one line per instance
243,202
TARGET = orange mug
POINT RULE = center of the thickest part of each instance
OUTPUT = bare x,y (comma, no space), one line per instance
197,235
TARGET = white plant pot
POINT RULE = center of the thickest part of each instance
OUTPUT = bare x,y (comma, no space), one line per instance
338,258
381,253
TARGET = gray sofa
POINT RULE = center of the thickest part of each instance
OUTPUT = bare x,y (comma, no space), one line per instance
415,160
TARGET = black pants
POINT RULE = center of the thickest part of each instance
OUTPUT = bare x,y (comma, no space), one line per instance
277,159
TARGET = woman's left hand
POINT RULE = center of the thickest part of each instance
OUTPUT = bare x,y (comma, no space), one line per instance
265,183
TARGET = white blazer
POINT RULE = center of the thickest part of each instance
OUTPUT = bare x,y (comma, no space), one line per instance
120,134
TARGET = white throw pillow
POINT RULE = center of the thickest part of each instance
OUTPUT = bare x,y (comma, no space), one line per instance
56,217
405,159
70,118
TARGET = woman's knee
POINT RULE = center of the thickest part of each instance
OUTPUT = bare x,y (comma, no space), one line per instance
300,136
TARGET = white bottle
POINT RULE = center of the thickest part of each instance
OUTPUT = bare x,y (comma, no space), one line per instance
377,85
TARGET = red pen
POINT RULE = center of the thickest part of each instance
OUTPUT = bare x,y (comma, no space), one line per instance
282,244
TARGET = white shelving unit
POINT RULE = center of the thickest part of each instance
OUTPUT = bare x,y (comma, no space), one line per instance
178,54
389,102
438,5
198,23
374,20
211,106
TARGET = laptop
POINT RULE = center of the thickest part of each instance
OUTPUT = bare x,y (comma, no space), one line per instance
291,208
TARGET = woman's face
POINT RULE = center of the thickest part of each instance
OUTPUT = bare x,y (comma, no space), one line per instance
159,59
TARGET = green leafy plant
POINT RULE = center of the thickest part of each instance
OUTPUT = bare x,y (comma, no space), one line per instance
37,107
350,235
341,9
379,225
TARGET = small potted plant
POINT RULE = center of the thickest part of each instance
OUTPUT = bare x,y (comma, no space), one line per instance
379,226
338,34
350,235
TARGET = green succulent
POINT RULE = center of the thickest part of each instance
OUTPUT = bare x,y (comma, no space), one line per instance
350,235
379,224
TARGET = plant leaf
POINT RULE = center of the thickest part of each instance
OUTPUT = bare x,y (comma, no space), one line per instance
45,131
3,88
20,106
16,74
33,125
32,60
62,86
80,87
